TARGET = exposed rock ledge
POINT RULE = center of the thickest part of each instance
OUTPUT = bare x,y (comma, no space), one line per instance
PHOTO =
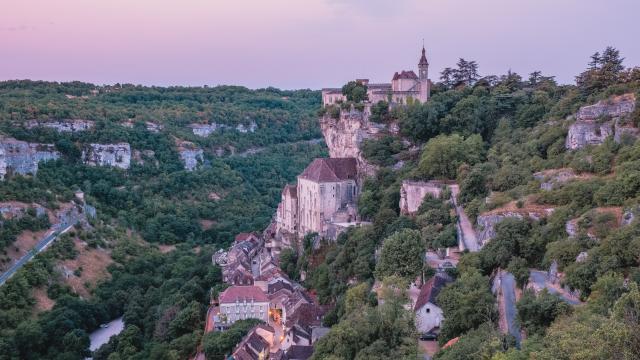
117,155
343,137
190,154
21,157
594,123
65,125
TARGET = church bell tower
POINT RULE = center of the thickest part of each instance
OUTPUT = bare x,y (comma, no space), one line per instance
423,76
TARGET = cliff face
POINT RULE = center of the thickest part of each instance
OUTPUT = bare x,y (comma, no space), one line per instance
343,137
594,123
117,155
66,125
205,130
21,157
190,154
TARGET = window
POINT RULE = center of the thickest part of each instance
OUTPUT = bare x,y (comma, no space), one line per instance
428,310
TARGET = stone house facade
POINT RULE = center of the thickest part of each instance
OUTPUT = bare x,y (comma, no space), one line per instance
243,302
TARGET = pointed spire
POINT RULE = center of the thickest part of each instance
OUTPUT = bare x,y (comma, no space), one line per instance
423,59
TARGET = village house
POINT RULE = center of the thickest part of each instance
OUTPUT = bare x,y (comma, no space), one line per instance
405,87
428,313
243,302
253,346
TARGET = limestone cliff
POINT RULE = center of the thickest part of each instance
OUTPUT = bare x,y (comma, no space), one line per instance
344,135
117,155
21,157
594,123
190,154
65,125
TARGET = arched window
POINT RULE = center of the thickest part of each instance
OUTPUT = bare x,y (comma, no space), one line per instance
428,310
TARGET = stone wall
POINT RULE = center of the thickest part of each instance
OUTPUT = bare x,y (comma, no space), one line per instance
116,155
413,192
594,123
65,125
21,157
343,137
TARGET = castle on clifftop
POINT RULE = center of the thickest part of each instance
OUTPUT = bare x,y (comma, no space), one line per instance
405,87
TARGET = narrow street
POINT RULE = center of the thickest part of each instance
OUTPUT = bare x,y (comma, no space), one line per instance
508,309
466,235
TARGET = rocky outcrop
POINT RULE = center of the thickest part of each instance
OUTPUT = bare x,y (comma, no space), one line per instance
150,126
549,179
65,125
190,154
486,223
21,157
594,123
14,209
205,130
344,135
413,192
116,155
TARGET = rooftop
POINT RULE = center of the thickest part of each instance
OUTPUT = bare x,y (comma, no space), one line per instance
243,293
430,290
331,170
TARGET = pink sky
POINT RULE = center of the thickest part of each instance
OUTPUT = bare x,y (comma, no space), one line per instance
302,43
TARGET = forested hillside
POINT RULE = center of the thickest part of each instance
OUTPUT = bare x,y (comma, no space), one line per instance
502,139
147,253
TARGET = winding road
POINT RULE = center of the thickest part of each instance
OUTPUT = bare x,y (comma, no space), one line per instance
56,230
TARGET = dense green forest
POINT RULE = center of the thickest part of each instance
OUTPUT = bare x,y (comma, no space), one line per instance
163,296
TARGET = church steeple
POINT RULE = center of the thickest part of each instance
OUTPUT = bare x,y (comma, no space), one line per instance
423,59
423,65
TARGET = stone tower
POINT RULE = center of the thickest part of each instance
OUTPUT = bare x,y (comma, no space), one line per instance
423,76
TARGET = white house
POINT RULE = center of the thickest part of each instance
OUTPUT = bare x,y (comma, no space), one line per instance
428,313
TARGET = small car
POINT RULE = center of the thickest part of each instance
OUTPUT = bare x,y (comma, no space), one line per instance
429,336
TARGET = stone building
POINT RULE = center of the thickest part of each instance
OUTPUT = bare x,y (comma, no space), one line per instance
323,200
405,87
243,302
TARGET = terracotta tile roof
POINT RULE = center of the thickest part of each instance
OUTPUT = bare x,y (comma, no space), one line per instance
331,170
430,290
242,293
451,342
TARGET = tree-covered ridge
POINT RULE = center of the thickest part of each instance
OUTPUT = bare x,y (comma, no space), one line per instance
280,115
491,135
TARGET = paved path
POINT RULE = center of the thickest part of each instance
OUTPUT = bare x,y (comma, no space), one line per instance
539,280
466,235
508,287
56,230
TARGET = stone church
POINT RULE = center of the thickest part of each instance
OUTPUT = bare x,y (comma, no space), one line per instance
405,87
323,200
